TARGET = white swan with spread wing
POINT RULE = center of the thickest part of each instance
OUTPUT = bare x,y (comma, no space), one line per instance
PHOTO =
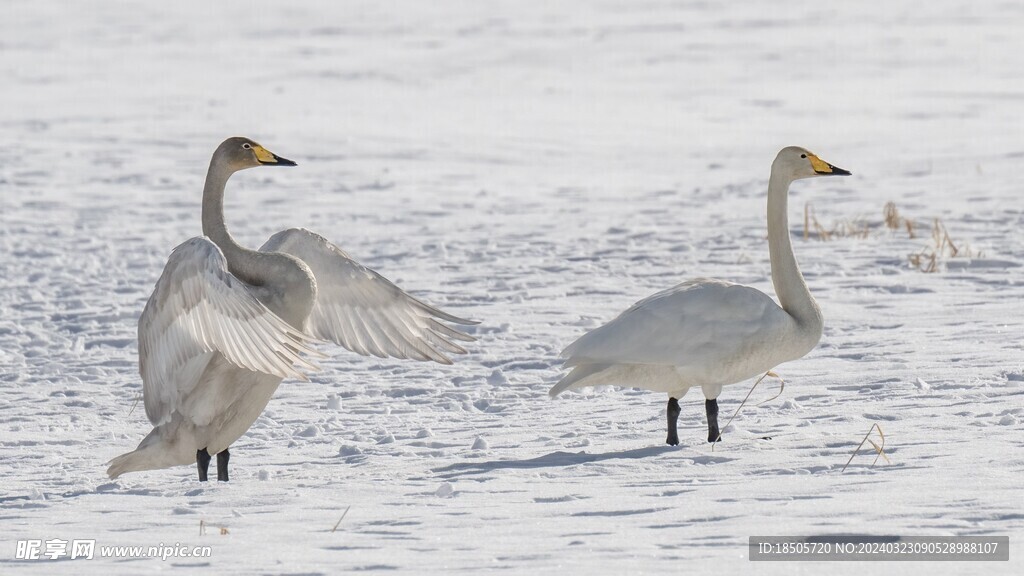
225,325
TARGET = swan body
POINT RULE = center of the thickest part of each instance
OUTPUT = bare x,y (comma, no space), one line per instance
710,333
723,347
225,325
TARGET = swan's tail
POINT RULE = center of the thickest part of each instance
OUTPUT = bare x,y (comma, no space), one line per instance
130,462
576,378
647,376
153,453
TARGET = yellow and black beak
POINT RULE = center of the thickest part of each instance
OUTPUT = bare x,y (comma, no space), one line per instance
268,158
824,168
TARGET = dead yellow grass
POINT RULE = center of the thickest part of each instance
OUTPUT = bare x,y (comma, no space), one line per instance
879,449
856,228
942,246
928,259
747,397
203,525
893,220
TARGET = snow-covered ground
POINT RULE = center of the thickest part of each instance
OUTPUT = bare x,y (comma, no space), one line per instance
538,166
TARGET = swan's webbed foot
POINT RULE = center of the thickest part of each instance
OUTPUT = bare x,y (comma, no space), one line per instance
222,465
673,415
711,407
203,463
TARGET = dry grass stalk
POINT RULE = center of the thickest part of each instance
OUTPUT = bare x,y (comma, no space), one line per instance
893,220
807,219
745,398
942,246
892,216
856,228
926,260
136,403
782,387
880,450
202,529
343,514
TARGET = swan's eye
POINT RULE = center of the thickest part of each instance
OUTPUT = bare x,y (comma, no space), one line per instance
802,155
246,146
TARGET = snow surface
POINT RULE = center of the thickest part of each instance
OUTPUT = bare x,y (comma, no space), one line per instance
539,166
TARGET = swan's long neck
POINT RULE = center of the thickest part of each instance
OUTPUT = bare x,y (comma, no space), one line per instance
288,286
248,265
789,282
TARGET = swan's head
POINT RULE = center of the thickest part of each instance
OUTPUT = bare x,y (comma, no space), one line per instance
795,162
239,153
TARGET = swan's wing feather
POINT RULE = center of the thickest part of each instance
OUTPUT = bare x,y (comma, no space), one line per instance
198,309
699,322
363,311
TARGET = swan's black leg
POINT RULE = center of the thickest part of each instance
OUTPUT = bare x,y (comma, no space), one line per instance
222,465
203,463
711,407
673,415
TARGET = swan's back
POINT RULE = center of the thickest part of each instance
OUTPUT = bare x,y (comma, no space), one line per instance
711,331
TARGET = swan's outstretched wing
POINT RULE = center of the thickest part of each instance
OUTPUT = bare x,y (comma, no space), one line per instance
363,311
697,325
198,309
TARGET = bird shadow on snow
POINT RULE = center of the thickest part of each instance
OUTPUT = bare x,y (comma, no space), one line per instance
562,459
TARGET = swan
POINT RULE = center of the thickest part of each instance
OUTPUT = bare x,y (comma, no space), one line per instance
226,324
708,332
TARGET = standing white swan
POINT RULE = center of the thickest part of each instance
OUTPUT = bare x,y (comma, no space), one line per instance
710,333
226,324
